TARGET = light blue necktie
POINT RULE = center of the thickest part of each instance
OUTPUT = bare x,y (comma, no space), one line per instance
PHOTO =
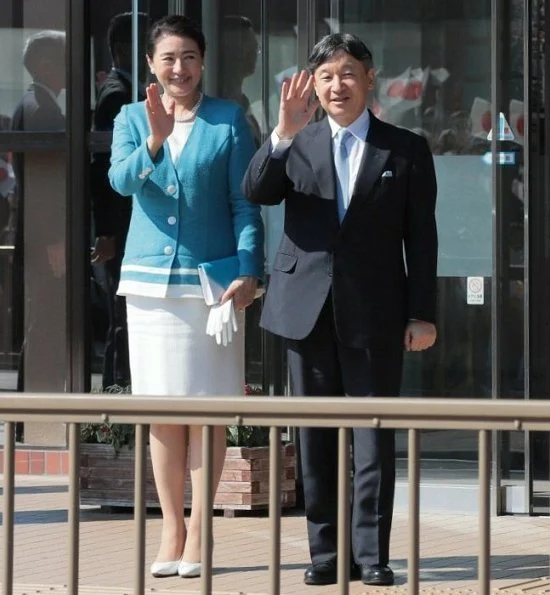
341,164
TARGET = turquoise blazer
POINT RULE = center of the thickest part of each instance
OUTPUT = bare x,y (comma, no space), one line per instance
190,211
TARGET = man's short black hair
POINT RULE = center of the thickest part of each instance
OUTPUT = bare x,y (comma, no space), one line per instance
237,21
325,49
120,29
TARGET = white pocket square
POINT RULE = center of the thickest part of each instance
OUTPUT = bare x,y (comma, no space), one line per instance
387,174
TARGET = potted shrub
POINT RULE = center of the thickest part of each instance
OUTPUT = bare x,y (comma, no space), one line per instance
107,467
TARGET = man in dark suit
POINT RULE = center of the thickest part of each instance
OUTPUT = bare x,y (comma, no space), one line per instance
353,282
111,211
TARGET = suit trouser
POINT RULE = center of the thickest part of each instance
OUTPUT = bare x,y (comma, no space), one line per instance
321,366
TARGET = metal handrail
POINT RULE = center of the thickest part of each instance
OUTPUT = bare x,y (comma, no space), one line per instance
413,414
383,412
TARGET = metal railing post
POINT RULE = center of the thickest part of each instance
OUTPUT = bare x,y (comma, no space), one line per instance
206,516
9,501
343,510
275,510
414,512
139,509
74,508
484,513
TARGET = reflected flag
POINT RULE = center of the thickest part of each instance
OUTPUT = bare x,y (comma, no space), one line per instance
517,121
480,118
398,95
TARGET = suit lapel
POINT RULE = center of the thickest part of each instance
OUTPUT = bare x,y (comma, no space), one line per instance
372,165
322,160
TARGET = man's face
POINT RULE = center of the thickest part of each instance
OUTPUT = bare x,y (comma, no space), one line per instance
342,85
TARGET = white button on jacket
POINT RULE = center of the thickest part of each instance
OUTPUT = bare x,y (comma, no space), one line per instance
168,250
145,173
171,189
171,220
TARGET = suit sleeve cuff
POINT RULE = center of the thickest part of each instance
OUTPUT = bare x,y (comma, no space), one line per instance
279,145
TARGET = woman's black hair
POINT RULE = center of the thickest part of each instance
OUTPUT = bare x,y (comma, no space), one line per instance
178,25
325,49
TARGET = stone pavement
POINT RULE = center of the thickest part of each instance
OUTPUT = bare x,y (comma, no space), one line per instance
520,551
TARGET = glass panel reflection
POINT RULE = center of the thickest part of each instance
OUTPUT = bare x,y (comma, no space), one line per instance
32,63
111,212
32,271
240,80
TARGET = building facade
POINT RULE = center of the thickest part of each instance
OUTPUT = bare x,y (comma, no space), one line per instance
469,76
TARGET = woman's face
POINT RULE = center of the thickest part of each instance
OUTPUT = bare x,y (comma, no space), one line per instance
177,64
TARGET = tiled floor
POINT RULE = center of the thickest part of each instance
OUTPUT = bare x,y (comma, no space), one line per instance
520,551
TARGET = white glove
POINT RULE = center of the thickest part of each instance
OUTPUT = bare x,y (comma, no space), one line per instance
222,322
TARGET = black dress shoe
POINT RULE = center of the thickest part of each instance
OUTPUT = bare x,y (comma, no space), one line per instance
326,573
377,575
355,572
323,573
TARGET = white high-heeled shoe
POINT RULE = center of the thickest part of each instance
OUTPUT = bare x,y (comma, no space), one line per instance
162,569
189,569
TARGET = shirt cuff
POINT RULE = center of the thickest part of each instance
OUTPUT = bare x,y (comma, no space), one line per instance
279,145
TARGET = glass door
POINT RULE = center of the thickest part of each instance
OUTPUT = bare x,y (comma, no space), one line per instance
537,443
453,73
510,167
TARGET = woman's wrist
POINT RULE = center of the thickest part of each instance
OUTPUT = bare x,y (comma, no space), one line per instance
154,145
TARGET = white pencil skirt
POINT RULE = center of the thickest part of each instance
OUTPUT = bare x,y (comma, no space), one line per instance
171,354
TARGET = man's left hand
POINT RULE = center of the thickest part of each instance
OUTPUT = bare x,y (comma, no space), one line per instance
104,249
242,290
419,335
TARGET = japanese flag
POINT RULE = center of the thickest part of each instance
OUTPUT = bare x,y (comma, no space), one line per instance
480,118
517,123
398,95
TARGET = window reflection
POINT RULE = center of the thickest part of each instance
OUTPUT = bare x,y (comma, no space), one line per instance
240,50
37,225
20,22
241,81
32,205
112,212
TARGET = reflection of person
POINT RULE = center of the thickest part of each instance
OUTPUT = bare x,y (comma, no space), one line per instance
40,109
237,62
7,176
182,156
339,292
111,211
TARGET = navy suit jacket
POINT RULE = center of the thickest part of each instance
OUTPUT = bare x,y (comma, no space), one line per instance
379,264
111,212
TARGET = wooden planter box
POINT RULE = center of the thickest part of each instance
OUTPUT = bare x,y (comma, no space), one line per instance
107,478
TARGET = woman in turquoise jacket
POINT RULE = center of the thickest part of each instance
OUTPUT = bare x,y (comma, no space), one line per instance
182,155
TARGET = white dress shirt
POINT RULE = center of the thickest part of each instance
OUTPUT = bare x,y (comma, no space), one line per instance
359,129
355,146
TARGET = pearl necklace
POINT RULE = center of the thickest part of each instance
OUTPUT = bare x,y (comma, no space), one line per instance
193,111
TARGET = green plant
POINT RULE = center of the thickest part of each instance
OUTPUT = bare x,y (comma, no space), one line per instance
248,435
119,435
